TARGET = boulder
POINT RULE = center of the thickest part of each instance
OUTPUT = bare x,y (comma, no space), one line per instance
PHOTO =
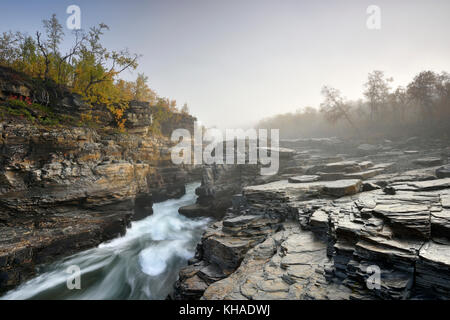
369,186
195,211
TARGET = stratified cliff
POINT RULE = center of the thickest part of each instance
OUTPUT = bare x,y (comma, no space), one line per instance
65,188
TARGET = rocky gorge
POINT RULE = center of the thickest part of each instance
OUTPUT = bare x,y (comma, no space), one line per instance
68,188
341,220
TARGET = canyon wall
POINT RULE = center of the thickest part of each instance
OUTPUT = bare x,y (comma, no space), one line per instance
67,188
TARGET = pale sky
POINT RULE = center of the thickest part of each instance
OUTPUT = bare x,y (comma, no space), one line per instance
237,61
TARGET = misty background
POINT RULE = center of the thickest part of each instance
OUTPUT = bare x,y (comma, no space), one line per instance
236,62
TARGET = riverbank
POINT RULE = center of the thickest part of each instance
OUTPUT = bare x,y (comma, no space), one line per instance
66,187
143,264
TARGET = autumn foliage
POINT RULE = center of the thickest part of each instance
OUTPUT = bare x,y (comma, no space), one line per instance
87,68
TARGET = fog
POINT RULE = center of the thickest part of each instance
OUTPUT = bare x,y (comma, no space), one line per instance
235,62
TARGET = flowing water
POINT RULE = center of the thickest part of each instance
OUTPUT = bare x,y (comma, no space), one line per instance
144,264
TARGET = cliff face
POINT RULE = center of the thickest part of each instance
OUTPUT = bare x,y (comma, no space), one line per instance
64,188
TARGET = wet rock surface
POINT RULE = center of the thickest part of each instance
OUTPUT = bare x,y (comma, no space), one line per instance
67,189
370,224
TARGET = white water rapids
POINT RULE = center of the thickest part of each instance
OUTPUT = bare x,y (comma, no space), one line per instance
144,264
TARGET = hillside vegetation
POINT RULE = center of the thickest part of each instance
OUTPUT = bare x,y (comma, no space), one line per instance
42,76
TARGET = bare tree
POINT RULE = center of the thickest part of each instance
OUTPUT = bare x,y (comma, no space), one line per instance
80,39
334,107
399,102
377,91
423,90
43,48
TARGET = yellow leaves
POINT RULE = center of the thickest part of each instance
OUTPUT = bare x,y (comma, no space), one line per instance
86,117
126,89
137,90
88,69
118,113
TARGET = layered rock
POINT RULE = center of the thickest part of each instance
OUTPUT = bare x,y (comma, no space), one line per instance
221,181
222,249
385,238
279,269
64,189
227,242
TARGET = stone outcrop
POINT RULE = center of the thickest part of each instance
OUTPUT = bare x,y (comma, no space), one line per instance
221,181
222,249
334,237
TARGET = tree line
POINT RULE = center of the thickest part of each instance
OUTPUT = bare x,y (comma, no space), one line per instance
420,108
87,68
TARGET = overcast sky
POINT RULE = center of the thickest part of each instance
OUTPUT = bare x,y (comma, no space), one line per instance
237,61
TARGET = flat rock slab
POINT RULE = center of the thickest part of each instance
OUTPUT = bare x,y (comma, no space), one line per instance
366,164
283,188
303,179
431,161
342,188
240,220
364,174
412,216
326,176
385,165
342,166
431,184
437,254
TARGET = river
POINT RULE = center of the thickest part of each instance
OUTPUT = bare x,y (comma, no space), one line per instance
143,264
